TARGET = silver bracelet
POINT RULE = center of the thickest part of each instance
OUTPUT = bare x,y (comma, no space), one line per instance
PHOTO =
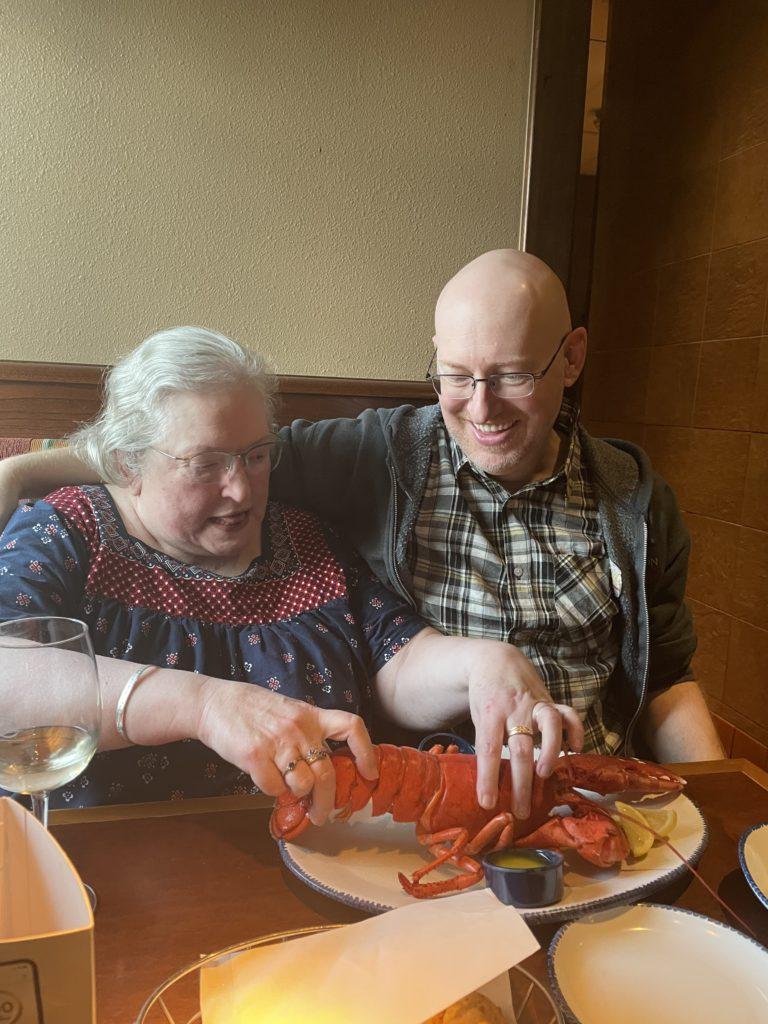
125,696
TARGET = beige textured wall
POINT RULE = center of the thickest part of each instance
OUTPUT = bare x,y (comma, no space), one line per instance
301,174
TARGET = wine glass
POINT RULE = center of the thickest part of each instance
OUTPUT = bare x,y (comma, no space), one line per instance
50,707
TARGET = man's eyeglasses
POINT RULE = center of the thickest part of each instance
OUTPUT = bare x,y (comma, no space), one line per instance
504,385
207,467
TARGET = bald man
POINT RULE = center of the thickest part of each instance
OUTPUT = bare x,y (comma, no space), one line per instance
497,516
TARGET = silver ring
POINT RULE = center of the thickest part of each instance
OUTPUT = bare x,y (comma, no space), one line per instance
292,766
315,754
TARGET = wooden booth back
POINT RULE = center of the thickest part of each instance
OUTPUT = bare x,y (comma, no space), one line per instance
48,400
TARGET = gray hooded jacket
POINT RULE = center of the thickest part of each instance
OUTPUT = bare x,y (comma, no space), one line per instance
366,476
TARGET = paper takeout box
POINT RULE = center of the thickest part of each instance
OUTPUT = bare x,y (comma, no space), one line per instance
399,968
46,927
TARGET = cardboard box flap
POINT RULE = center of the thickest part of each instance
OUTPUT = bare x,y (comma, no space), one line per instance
40,891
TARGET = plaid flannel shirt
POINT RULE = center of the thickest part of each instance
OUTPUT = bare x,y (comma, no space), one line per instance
529,568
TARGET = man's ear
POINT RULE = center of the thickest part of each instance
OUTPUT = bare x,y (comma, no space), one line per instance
575,350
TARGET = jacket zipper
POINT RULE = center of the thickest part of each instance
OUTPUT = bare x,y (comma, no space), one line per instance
633,721
396,575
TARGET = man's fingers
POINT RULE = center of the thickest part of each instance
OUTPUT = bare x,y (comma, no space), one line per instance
488,743
547,718
521,766
574,728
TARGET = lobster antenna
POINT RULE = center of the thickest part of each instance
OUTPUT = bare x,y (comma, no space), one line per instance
691,868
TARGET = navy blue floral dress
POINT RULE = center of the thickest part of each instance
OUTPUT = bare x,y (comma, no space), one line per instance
307,619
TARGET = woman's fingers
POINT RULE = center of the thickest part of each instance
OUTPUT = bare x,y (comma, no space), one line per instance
341,725
268,777
324,788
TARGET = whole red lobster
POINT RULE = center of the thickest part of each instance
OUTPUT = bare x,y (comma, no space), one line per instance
437,790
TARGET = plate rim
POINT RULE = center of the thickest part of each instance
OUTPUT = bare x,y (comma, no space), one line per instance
531,916
763,897
559,934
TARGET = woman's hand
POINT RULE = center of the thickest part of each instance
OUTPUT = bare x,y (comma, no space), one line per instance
507,693
264,733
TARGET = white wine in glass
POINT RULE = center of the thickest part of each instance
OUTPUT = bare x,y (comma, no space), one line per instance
50,706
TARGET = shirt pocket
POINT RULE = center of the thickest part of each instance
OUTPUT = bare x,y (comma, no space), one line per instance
584,603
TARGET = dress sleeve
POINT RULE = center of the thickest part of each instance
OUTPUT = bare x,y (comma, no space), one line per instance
387,621
43,564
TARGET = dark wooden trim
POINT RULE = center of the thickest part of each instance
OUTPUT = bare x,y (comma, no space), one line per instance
51,399
407,390
558,117
44,373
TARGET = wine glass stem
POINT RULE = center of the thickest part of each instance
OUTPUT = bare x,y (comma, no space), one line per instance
40,807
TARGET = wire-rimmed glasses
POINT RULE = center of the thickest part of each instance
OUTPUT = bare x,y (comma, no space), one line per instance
461,386
212,466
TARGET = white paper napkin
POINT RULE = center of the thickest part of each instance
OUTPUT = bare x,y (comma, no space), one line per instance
398,968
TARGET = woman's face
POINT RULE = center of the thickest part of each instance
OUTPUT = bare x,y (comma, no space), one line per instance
212,523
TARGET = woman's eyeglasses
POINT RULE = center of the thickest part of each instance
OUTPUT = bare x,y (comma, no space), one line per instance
210,467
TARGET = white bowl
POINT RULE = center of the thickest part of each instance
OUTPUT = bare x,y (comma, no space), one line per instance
652,964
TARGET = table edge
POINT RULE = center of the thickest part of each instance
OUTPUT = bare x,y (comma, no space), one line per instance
260,802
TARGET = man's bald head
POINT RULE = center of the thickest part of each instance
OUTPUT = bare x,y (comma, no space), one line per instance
505,290
504,314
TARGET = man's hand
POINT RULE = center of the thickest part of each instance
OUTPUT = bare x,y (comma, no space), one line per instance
436,679
508,696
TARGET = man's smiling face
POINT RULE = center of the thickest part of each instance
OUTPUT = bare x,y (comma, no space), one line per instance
506,313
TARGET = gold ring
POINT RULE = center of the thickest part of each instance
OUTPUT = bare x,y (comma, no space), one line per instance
292,766
520,730
315,754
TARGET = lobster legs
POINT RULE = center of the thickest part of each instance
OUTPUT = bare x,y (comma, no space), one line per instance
589,830
494,835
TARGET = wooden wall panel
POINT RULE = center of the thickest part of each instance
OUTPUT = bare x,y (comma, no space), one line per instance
50,399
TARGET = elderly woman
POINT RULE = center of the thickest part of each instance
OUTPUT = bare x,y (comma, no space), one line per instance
262,635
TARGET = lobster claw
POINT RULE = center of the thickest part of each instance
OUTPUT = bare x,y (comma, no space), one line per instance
592,833
616,775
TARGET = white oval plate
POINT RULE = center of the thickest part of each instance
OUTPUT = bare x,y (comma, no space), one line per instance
753,857
357,863
661,964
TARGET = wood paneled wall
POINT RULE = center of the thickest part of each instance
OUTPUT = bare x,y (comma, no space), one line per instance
50,399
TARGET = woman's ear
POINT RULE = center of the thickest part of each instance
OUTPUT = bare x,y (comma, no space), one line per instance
131,478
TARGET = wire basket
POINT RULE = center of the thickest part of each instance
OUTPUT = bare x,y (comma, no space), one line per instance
177,1000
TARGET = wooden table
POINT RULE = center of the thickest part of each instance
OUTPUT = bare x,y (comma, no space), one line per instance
177,880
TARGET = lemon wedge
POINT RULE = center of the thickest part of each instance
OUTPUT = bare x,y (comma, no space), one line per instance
663,820
636,825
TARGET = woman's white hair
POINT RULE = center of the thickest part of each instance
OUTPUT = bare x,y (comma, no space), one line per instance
136,389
